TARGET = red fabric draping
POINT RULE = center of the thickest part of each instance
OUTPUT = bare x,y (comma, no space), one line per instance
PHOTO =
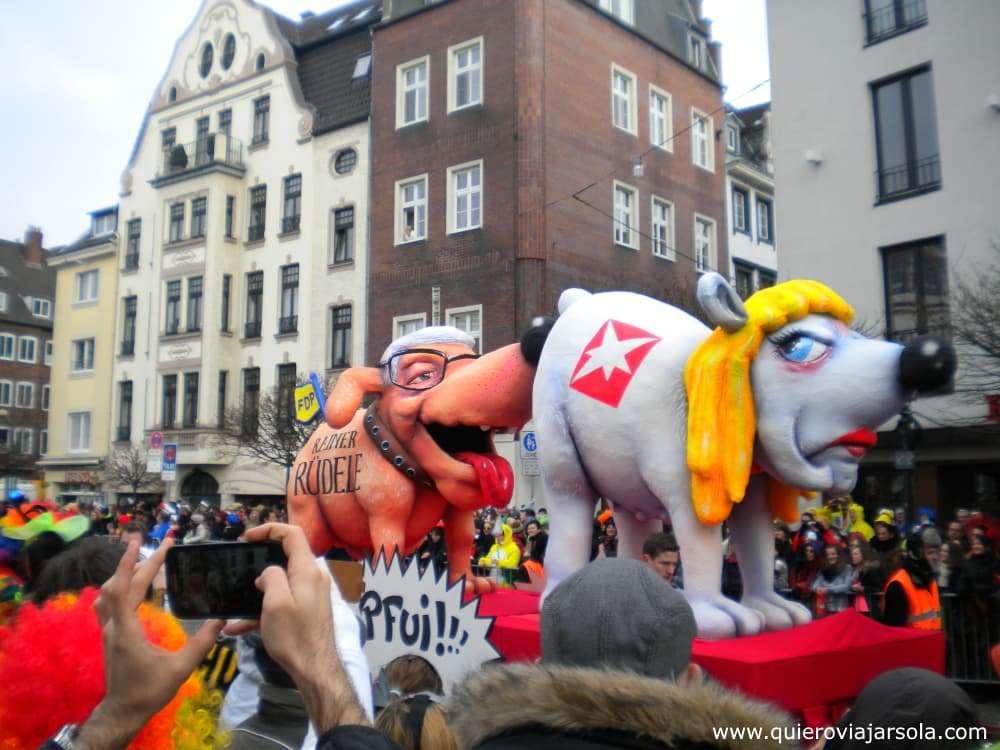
812,671
509,602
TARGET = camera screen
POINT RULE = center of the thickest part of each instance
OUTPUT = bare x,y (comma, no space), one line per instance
217,580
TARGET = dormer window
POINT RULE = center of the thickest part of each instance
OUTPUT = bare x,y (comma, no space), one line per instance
363,66
732,139
207,55
696,51
104,224
228,51
172,94
623,10
261,60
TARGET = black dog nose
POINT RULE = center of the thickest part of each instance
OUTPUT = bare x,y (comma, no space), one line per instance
534,339
926,364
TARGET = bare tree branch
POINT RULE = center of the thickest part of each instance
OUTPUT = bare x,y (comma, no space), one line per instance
975,326
266,431
126,467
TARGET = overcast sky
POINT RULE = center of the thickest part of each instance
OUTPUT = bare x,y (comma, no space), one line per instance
80,74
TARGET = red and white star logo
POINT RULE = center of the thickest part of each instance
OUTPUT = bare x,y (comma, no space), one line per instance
610,361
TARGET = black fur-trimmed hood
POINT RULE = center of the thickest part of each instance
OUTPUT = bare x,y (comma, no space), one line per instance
576,700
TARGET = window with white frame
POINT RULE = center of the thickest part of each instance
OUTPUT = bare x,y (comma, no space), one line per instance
23,439
660,119
46,392
470,320
48,352
465,75
663,228
741,210
626,213
465,197
3,301
765,219
43,442
86,286
27,349
623,99
704,243
6,393
24,396
8,345
732,140
702,153
83,355
412,89
623,10
696,51
41,308
404,324
79,432
411,210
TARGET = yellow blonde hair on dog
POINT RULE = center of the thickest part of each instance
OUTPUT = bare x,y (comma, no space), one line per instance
722,419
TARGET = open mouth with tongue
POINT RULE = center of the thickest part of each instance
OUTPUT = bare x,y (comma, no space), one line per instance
474,446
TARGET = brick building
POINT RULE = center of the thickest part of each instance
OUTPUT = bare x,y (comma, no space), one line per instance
27,290
489,115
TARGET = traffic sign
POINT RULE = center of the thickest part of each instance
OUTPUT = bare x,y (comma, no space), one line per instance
154,461
529,444
904,460
530,468
169,471
155,441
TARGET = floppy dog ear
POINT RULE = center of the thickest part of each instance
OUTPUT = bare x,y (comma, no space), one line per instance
351,387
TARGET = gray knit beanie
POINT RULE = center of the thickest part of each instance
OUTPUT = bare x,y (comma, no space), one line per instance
618,614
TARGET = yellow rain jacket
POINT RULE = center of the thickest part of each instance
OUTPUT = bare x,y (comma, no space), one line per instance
505,554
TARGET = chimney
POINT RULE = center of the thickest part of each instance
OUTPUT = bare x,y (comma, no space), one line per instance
32,247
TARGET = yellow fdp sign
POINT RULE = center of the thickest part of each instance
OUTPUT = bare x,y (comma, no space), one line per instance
306,403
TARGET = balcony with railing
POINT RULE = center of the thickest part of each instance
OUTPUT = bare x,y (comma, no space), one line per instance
290,224
251,329
288,324
911,178
894,18
214,152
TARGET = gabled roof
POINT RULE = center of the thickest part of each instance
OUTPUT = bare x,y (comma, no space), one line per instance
20,280
88,239
327,47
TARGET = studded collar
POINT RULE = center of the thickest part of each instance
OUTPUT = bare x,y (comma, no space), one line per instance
392,450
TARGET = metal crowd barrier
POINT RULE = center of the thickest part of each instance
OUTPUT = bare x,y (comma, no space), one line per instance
972,627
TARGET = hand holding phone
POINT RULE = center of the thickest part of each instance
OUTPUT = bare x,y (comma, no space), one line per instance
218,580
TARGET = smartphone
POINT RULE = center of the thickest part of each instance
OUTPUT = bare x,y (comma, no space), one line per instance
206,581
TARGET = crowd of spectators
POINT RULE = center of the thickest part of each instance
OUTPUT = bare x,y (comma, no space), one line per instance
834,560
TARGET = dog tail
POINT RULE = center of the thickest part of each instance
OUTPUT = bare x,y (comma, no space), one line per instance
570,297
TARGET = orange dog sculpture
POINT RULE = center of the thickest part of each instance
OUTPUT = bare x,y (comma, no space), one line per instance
378,480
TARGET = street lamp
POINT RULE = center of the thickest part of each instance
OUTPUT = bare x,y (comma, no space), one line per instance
907,433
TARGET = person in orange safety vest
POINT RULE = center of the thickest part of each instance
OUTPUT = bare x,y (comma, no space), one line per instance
911,593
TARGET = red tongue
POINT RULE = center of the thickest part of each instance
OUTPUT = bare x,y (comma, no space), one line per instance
496,478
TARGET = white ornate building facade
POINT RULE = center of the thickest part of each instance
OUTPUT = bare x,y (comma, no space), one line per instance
242,223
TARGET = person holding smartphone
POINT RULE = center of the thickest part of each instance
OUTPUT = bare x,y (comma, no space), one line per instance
297,628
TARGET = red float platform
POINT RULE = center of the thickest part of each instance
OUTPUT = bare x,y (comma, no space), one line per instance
813,671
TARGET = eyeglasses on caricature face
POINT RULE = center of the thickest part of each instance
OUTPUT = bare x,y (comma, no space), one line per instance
420,369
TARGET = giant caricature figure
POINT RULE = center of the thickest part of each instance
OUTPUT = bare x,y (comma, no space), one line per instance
379,479
638,402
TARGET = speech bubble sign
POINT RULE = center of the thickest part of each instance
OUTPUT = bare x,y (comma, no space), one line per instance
404,612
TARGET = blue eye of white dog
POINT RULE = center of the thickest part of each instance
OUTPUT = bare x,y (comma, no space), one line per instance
802,348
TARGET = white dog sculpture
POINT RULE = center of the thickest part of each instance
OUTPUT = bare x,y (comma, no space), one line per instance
783,398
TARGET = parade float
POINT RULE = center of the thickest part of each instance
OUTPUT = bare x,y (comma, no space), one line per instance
638,403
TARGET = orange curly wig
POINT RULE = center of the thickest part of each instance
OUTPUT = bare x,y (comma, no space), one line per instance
52,673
